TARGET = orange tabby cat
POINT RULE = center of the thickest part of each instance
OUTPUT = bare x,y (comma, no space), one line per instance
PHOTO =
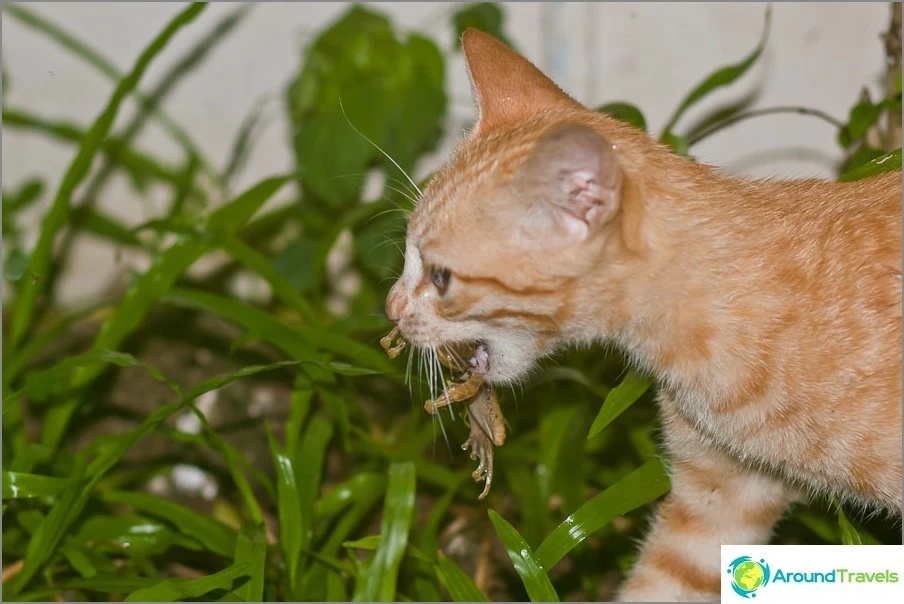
769,311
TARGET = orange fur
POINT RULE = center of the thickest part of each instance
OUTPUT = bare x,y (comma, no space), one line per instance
769,311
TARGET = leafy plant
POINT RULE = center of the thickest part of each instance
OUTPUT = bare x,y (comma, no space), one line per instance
350,491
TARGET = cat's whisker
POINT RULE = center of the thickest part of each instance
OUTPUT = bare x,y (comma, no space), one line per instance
378,148
442,380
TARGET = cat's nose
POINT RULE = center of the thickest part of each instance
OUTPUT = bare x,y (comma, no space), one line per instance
395,305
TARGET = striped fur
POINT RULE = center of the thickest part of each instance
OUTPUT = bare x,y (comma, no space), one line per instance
769,311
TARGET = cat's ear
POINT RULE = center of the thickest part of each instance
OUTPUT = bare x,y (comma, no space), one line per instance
507,87
572,181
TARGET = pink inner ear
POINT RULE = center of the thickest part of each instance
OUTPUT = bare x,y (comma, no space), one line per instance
583,191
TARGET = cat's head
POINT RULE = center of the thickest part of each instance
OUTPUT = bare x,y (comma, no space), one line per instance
514,226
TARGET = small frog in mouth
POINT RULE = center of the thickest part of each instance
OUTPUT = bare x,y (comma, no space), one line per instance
484,413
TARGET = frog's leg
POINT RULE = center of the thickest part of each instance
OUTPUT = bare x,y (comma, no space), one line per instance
457,391
487,430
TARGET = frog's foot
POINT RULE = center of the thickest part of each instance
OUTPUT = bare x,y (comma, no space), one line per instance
481,449
387,341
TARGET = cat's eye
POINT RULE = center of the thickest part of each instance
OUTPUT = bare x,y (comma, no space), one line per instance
440,277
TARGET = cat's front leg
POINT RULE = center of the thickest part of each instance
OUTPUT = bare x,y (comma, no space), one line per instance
714,501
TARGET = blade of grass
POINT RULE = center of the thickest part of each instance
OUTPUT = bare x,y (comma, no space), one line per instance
104,226
251,549
532,573
457,583
211,533
18,485
56,217
618,400
642,486
721,77
242,145
93,58
378,582
554,430
173,591
341,496
291,528
308,462
299,406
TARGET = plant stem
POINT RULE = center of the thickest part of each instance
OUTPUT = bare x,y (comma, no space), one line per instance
761,112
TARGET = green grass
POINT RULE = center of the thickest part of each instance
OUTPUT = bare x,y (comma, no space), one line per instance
342,488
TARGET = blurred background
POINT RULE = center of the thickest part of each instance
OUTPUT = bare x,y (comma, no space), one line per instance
197,245
819,56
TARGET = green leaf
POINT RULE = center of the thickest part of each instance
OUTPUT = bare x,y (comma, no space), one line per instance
391,91
308,462
57,216
291,528
111,583
721,77
485,16
849,534
18,485
251,548
527,565
79,558
104,226
554,434
625,112
678,144
173,591
863,116
642,486
378,582
861,157
890,162
14,264
345,494
241,148
131,534
618,400
457,583
212,534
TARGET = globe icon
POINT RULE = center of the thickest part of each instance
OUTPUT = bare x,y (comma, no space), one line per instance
748,575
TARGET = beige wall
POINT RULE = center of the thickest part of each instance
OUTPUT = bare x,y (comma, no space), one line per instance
819,55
